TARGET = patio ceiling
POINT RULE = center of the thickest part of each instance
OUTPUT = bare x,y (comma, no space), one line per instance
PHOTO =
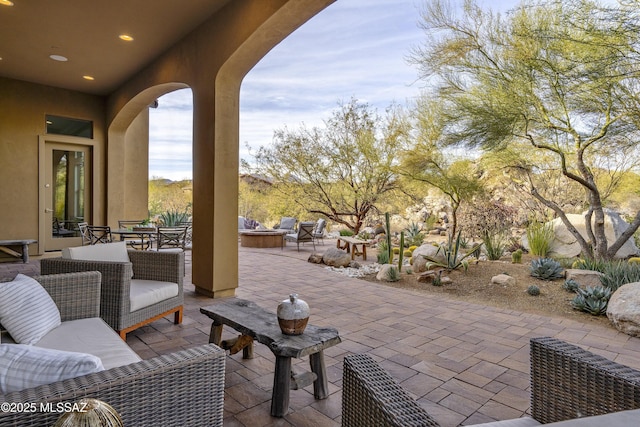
87,33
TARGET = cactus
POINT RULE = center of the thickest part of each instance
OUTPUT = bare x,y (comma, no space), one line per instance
571,285
401,251
387,222
546,269
516,256
533,290
592,300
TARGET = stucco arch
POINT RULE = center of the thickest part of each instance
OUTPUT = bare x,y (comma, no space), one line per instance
128,148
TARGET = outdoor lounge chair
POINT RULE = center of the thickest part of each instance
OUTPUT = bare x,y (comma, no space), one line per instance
566,382
303,235
288,223
318,230
138,287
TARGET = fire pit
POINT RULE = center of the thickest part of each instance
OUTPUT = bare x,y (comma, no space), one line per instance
262,238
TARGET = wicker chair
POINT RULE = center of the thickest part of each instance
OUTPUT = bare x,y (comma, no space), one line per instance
566,382
184,388
115,307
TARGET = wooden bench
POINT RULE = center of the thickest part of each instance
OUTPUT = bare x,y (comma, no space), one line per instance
22,243
256,323
351,246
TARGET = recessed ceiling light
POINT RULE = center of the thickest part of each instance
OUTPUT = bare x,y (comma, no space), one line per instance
6,3
88,77
126,37
59,58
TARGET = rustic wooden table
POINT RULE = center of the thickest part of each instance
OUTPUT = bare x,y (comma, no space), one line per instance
251,320
22,243
351,245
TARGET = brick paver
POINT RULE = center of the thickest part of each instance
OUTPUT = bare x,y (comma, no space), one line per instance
465,363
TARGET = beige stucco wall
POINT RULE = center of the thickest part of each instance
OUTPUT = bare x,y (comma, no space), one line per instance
23,107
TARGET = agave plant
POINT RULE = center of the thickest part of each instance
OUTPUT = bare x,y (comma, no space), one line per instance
546,269
592,300
452,257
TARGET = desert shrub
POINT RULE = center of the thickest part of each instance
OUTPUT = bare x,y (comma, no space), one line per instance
363,235
413,235
452,257
592,300
540,236
486,218
533,290
571,285
393,274
346,233
590,264
619,273
546,269
494,245
173,218
383,253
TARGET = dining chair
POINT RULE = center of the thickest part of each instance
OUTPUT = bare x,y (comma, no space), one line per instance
171,238
99,234
303,235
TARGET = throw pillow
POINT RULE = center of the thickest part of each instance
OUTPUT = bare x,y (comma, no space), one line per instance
27,310
26,366
116,251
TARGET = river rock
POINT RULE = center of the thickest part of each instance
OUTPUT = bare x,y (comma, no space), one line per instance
624,309
335,257
584,277
503,279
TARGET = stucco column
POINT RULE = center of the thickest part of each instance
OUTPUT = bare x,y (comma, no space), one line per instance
215,190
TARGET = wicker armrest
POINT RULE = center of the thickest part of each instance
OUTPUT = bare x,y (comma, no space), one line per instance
569,382
371,397
185,388
161,266
77,295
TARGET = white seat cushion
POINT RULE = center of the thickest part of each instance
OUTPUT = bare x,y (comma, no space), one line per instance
27,310
91,336
144,293
26,366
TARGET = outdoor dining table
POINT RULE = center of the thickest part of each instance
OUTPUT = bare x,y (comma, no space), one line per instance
142,233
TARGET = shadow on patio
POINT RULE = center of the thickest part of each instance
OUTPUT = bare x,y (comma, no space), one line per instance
465,363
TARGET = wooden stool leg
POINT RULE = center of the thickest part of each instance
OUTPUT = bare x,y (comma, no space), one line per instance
281,383
215,336
320,385
364,252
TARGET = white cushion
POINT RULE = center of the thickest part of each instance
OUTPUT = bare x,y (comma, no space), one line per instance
91,335
25,366
116,251
27,310
144,293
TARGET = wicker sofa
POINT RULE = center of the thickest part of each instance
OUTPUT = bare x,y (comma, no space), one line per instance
179,389
566,382
120,279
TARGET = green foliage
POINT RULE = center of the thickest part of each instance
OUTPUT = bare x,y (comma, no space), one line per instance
486,219
173,218
383,252
516,257
540,236
453,258
618,273
413,235
364,235
533,290
341,170
494,245
346,233
393,274
590,264
592,300
546,269
165,195
570,285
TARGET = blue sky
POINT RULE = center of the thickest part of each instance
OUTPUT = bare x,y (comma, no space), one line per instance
354,48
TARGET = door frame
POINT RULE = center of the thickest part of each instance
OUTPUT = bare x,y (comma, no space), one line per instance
43,140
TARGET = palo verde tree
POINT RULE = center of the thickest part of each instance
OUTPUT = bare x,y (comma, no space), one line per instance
554,83
341,170
426,160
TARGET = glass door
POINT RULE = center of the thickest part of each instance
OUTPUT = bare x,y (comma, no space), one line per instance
66,193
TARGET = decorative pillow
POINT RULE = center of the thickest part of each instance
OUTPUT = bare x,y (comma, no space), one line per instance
27,310
26,366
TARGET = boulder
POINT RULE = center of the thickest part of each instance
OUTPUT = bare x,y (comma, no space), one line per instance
335,257
383,274
418,256
565,245
584,277
624,309
315,259
503,279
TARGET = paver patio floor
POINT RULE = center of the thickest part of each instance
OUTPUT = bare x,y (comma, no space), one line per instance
465,363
